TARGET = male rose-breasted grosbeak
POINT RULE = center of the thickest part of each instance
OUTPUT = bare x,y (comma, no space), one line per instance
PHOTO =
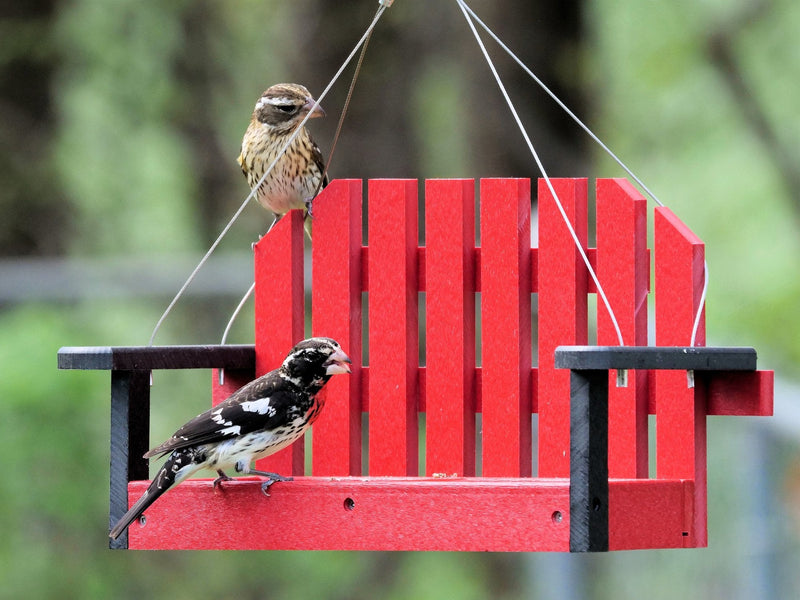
298,174
259,419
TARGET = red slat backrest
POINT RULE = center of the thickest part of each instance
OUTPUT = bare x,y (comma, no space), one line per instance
506,327
505,271
450,327
623,267
681,415
393,327
280,314
336,298
562,316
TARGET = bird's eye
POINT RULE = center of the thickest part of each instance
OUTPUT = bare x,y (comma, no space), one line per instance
286,108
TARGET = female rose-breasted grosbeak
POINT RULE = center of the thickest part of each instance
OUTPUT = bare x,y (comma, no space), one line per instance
298,174
259,419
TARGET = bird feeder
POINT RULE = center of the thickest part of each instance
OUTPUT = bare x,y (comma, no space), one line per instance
559,458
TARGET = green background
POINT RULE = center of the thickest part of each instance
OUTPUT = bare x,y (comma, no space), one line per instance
121,122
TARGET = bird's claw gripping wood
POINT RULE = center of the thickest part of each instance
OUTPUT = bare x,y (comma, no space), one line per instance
222,477
271,479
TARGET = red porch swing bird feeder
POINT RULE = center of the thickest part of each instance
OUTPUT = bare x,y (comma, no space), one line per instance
592,490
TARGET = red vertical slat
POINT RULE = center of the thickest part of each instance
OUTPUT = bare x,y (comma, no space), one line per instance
680,413
562,315
232,381
623,270
506,327
336,308
450,326
279,314
393,327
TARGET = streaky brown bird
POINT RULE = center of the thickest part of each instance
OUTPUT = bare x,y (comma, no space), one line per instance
297,175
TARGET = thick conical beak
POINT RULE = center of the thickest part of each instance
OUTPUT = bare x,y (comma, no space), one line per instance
316,112
337,363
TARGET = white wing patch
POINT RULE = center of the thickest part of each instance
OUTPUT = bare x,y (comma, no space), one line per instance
232,430
216,416
260,406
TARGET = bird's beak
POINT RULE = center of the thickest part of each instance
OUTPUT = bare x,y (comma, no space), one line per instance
317,112
337,363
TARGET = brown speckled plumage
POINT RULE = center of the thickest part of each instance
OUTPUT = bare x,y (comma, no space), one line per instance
295,178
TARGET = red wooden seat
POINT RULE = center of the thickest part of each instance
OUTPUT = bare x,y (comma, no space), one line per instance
521,499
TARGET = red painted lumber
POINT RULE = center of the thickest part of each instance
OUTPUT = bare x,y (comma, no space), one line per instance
449,387
506,327
232,381
744,394
376,513
393,327
650,513
562,317
680,412
279,314
336,313
623,271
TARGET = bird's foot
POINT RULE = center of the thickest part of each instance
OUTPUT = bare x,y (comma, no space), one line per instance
277,218
222,477
271,479
308,202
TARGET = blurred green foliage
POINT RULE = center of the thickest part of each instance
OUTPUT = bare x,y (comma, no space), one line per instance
148,102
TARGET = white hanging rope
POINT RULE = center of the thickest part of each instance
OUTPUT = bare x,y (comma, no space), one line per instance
549,184
700,306
467,10
563,106
236,314
383,6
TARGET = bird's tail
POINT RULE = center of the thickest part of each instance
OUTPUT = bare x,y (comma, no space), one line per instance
174,471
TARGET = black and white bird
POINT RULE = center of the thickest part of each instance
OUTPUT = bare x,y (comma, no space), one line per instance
259,419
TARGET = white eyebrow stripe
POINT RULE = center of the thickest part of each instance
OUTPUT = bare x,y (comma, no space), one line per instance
277,101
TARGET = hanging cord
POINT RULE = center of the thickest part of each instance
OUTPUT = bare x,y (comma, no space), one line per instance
558,101
319,186
549,184
599,142
383,6
700,306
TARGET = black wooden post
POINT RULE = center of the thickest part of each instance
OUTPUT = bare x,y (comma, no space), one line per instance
588,492
589,368
130,438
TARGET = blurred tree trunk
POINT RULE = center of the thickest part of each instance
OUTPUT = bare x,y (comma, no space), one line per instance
547,37
34,212
412,39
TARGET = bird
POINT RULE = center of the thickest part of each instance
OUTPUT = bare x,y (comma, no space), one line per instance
262,417
299,173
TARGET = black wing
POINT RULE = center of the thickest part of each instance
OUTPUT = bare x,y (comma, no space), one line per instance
264,403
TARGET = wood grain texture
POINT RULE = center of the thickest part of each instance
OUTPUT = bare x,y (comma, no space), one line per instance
450,327
376,513
336,306
562,317
280,315
393,327
506,327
